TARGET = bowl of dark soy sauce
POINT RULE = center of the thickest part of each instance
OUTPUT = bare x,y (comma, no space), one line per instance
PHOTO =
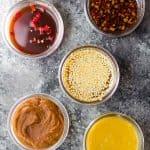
33,28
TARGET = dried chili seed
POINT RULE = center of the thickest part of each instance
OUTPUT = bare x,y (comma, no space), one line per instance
114,16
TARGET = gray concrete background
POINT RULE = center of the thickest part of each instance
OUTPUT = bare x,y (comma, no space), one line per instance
20,76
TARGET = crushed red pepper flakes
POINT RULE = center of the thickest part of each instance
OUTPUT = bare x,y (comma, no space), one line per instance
36,18
34,23
114,16
33,8
18,14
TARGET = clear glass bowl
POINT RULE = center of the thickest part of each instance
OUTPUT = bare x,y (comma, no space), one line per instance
51,10
61,107
141,12
115,80
132,121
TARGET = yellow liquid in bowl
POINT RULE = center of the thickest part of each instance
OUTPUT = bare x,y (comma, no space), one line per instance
112,133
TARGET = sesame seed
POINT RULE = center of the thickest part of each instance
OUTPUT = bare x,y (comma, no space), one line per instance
34,39
87,74
30,41
38,41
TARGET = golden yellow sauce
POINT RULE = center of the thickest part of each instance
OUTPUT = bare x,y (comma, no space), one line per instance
112,133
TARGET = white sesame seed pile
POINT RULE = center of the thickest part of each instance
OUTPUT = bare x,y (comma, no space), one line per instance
87,74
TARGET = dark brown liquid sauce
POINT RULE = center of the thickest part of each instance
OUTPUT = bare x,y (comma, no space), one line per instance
33,30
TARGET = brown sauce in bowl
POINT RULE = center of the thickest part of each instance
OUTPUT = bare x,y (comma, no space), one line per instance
32,30
114,16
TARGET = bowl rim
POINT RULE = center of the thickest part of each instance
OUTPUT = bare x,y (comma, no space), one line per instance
111,35
118,114
111,92
56,16
56,102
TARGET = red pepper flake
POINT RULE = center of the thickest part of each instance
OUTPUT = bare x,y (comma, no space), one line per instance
46,28
114,16
36,18
33,8
51,38
32,25
18,15
43,29
40,30
12,33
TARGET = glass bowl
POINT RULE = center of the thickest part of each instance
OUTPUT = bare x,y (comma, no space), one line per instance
62,109
141,12
115,82
51,10
132,121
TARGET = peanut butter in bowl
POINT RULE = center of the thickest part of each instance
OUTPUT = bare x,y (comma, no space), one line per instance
38,123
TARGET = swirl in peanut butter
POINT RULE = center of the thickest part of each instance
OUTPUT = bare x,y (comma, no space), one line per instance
38,122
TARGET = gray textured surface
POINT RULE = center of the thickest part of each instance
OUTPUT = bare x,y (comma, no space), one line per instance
19,76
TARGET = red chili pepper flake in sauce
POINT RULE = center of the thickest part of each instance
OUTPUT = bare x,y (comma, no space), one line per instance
33,8
33,30
18,14
114,16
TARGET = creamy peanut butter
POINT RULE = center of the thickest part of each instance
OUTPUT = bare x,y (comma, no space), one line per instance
87,74
37,122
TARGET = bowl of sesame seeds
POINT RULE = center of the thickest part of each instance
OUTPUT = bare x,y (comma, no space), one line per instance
89,75
114,18
33,28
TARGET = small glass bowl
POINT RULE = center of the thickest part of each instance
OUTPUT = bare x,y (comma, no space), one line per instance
131,120
63,111
51,10
115,82
141,12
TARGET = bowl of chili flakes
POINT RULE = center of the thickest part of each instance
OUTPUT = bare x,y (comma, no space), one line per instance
115,18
